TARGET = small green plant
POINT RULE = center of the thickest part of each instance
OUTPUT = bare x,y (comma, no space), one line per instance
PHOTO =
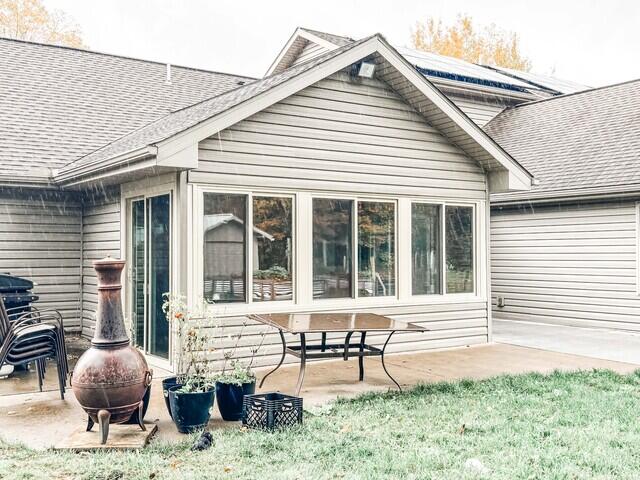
238,374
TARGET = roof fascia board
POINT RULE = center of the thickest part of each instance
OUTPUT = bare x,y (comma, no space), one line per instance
315,39
68,177
112,171
593,193
266,99
283,52
465,88
13,182
455,114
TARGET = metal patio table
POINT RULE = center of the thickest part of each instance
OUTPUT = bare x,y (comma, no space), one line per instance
303,324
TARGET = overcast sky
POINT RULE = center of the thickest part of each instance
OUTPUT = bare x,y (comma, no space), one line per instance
591,42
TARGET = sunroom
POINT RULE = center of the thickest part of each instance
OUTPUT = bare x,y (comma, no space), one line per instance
317,189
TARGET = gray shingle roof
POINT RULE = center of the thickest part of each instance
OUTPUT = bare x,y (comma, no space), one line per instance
575,142
337,40
188,117
58,104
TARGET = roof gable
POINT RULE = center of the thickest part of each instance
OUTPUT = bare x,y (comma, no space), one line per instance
300,39
176,136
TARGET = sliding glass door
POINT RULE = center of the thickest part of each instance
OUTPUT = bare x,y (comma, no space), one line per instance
150,275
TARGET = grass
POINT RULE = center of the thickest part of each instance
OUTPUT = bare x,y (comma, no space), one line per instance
560,426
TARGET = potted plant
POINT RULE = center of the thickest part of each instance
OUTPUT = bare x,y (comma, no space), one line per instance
190,394
231,387
235,380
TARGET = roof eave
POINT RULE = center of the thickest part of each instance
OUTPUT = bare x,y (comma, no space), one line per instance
568,195
86,173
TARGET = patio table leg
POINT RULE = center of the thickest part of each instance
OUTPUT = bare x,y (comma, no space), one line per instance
347,339
303,363
284,352
384,366
361,358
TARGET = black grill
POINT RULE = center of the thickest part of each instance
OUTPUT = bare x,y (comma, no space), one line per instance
16,292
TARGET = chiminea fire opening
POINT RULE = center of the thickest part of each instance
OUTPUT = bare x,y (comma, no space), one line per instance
112,377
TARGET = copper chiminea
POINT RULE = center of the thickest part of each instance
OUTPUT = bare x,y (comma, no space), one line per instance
111,378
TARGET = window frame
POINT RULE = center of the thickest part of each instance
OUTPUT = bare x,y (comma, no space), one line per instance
302,206
249,194
443,248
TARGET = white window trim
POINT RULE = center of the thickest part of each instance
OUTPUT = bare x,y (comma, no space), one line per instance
477,246
198,241
303,250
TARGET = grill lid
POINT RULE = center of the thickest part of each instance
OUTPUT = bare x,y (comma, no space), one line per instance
9,283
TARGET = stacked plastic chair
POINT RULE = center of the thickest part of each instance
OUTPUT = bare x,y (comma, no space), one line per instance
33,336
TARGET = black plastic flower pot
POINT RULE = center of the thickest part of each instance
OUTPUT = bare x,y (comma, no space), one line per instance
167,383
230,398
190,411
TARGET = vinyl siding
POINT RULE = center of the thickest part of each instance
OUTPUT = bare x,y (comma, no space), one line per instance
567,265
101,237
358,138
480,110
310,51
340,136
40,241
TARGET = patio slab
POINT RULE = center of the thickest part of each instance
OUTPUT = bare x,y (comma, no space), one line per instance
121,437
41,419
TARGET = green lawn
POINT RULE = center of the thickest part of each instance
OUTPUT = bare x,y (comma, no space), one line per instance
559,426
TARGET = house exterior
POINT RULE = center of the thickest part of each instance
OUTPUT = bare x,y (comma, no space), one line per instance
566,252
353,177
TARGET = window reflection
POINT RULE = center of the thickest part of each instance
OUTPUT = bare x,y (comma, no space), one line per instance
225,247
332,248
272,249
459,251
425,249
376,249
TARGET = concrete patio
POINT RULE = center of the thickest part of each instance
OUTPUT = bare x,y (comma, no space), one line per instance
41,420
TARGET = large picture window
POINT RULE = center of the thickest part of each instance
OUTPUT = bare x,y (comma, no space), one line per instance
459,248
376,249
225,247
272,248
426,254
332,248
232,245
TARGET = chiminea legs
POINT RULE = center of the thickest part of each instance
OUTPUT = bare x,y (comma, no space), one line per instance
103,420
141,416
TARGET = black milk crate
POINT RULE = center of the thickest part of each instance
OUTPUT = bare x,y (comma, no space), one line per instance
271,410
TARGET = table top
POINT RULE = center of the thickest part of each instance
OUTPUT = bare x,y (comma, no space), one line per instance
334,322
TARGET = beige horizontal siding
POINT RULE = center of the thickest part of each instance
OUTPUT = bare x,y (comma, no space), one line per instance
479,109
340,135
40,241
311,50
567,265
101,237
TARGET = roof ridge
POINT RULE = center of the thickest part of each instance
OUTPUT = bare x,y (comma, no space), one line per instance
115,55
564,95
